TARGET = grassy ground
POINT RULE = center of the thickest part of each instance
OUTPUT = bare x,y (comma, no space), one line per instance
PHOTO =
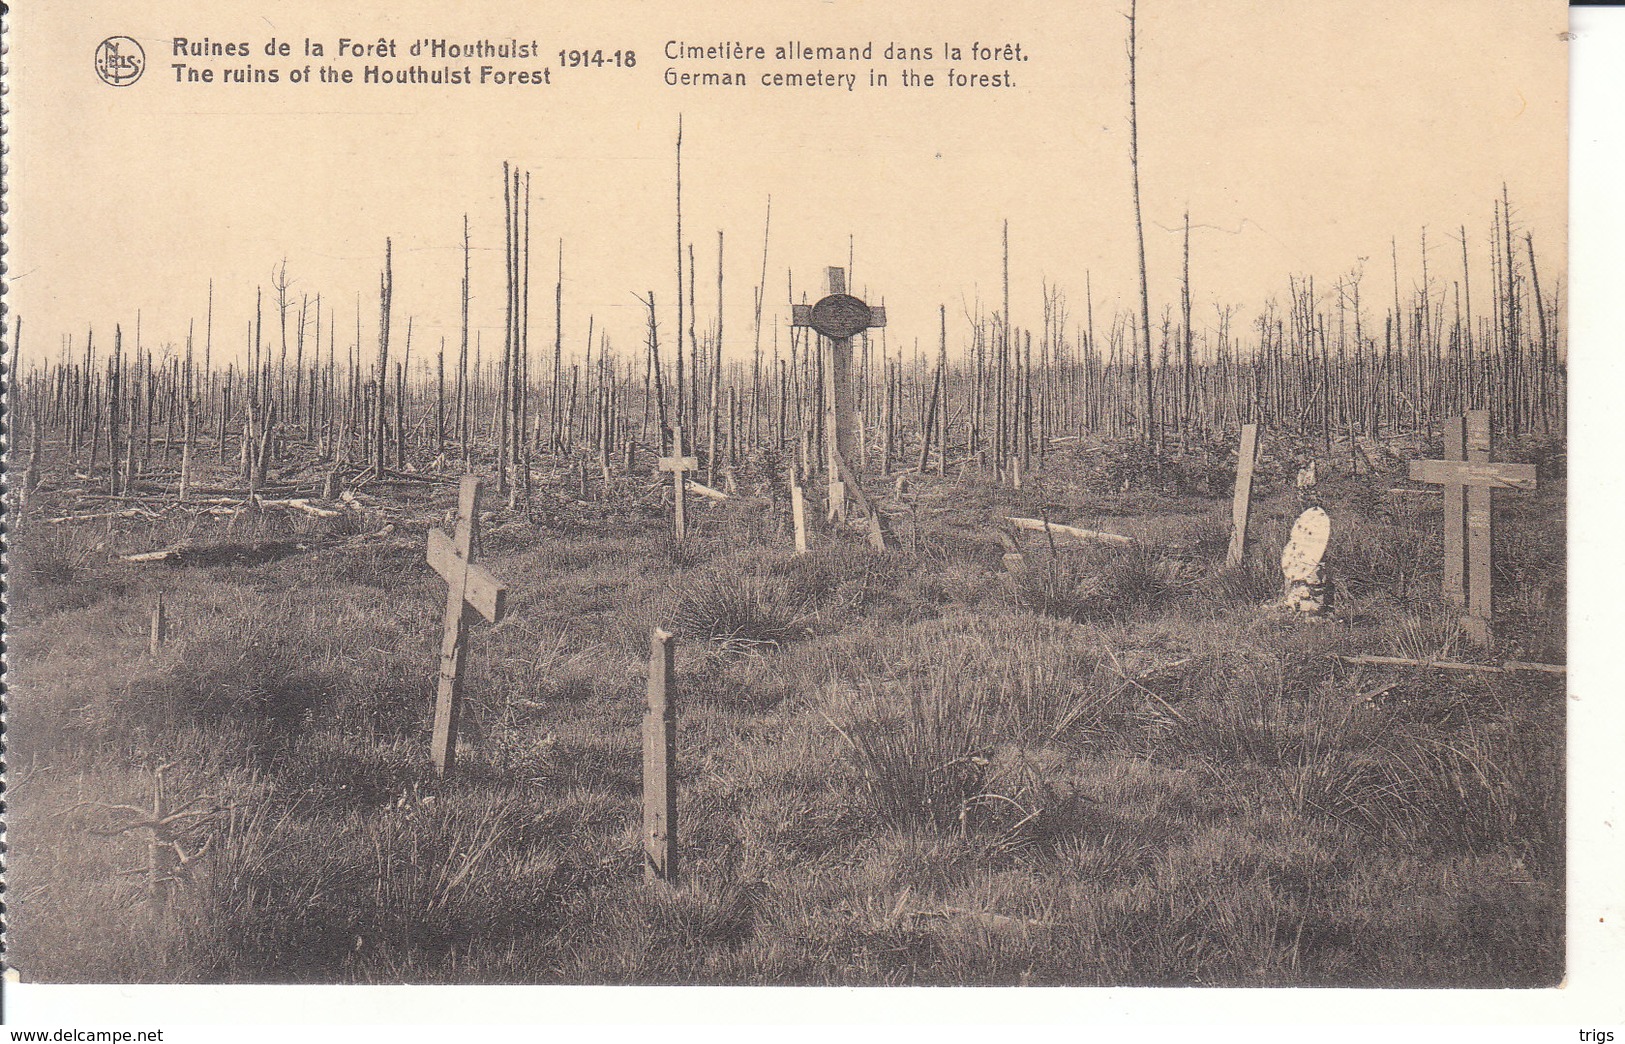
1120,767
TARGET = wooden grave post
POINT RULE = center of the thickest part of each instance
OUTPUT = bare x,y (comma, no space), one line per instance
659,763
468,587
838,316
1480,477
160,627
1242,505
1455,515
798,513
679,466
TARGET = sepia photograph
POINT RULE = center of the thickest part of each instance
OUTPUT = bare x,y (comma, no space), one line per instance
793,495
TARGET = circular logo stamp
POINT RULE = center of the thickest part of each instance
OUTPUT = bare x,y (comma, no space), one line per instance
120,61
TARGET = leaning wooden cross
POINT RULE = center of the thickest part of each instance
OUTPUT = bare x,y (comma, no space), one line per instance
679,466
1479,477
470,587
838,316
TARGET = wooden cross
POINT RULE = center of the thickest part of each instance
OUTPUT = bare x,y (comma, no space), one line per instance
1478,477
838,316
470,587
679,466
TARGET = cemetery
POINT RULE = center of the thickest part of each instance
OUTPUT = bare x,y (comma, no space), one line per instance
1059,708
397,636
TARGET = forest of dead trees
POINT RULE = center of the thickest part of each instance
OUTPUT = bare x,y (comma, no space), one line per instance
1354,357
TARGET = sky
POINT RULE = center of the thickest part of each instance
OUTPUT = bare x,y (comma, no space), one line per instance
1301,138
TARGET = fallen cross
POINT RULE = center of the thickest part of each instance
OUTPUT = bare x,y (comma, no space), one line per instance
1478,477
469,587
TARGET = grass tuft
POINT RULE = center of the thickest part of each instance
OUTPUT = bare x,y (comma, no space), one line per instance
740,609
1103,584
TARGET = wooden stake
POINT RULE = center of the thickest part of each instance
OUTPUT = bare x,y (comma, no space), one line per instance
798,513
160,627
1241,505
659,762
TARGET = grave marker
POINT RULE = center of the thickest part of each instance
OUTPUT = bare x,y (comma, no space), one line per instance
160,627
1241,506
468,587
1303,563
1480,477
679,466
798,514
659,761
838,316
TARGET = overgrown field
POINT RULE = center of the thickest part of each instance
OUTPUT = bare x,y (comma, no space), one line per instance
1117,767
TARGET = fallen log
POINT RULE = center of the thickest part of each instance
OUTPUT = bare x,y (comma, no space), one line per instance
1505,667
706,491
854,489
301,504
1038,525
97,515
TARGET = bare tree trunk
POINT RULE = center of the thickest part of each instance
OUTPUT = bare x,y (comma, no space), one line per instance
1149,435
385,291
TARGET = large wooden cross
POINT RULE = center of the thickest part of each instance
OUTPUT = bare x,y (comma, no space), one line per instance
1477,477
838,316
679,466
470,587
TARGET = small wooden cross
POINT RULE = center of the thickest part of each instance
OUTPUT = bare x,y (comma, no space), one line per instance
1479,476
469,587
679,466
838,316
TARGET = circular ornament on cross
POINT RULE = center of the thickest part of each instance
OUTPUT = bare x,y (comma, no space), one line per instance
840,316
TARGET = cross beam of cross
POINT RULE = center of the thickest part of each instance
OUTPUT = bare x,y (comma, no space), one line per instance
1471,481
469,587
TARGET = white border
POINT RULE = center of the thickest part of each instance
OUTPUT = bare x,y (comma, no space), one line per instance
1592,998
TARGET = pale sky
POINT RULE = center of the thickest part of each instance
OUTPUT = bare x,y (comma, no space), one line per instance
1301,136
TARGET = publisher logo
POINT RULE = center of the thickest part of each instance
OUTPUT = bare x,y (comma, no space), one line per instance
120,61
